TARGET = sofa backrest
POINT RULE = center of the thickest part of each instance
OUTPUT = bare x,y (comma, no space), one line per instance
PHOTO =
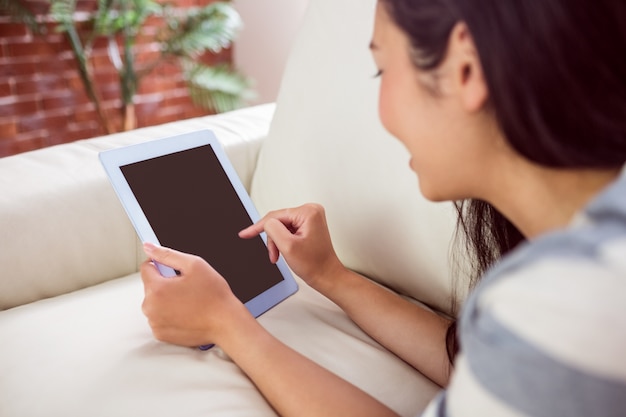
61,226
326,145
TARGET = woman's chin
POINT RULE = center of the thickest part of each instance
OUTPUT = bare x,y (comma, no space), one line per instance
432,192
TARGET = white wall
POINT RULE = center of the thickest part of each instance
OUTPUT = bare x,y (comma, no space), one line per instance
263,45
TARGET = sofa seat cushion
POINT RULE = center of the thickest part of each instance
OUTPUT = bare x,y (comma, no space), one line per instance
93,350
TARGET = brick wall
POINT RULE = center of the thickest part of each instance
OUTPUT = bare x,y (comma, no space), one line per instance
42,101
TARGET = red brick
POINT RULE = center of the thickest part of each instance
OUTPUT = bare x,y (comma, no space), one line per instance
156,84
195,111
73,81
186,3
58,120
82,26
38,6
100,43
18,106
6,87
85,113
8,127
11,67
33,47
86,5
67,99
166,69
145,112
11,29
171,117
222,57
114,114
101,61
177,98
110,76
81,94
147,35
74,133
180,84
55,64
23,143
31,122
154,21
43,85
156,119
115,118
42,120
49,27
112,105
110,91
147,55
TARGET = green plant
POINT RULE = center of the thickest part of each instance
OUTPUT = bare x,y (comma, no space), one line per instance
183,36
21,13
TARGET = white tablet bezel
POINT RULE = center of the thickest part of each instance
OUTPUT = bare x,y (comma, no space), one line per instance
112,161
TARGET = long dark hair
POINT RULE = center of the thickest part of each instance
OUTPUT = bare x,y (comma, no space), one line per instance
556,74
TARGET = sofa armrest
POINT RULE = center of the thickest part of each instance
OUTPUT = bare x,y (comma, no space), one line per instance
61,226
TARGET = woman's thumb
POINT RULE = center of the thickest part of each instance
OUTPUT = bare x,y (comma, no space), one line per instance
165,256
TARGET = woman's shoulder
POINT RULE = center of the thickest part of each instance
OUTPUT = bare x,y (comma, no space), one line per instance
567,289
550,319
595,243
570,307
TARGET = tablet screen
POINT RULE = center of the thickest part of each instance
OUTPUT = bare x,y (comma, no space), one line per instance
192,207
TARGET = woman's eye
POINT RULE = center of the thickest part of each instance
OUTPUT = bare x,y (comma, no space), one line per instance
378,74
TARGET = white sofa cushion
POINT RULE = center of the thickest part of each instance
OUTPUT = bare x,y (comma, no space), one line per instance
327,145
91,353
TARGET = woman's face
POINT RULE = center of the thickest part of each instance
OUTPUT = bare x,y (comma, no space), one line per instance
435,127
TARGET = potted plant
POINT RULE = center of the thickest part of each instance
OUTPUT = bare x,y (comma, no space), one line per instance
183,35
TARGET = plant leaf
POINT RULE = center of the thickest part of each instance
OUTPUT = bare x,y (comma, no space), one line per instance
62,12
211,28
218,88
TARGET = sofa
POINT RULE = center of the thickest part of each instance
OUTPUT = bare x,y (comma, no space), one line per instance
73,339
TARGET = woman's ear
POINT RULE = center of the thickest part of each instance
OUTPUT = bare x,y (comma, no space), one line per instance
467,74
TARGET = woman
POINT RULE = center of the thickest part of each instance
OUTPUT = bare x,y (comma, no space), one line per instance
518,109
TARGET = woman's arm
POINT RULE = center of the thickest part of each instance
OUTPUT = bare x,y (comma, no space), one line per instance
413,333
416,335
293,384
198,307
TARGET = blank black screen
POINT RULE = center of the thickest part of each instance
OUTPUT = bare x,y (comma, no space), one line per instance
192,207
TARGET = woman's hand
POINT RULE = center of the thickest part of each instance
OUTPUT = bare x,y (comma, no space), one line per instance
301,235
192,309
197,308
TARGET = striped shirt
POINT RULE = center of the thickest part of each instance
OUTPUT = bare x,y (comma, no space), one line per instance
544,333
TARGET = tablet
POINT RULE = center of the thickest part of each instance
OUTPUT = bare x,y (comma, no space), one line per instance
183,193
